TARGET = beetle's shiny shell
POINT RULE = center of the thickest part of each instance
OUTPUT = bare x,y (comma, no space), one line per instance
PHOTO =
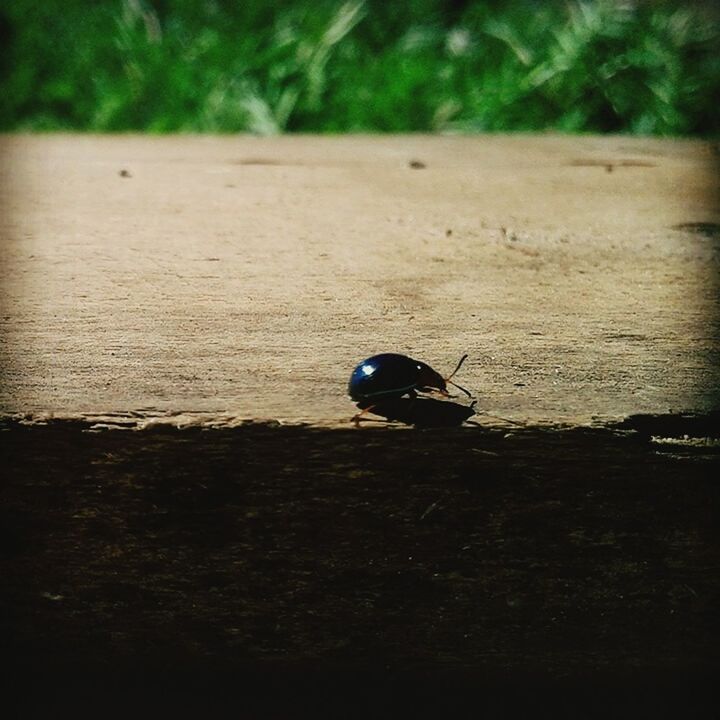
384,376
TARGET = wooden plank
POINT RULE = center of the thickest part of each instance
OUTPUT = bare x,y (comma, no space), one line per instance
228,286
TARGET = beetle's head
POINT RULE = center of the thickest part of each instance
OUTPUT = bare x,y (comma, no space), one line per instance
429,378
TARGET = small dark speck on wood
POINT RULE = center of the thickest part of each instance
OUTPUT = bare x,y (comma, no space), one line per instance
706,229
417,164
124,173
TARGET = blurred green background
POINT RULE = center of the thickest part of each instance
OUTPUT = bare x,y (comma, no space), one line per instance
361,65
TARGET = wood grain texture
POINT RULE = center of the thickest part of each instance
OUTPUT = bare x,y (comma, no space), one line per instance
238,278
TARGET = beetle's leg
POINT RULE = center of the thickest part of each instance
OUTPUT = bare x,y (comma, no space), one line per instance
412,394
460,387
437,391
445,393
356,418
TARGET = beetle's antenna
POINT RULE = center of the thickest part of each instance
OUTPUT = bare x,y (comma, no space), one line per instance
459,387
452,374
462,360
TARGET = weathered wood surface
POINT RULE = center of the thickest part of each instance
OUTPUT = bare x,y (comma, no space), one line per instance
243,278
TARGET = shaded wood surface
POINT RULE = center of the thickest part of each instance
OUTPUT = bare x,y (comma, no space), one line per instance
488,557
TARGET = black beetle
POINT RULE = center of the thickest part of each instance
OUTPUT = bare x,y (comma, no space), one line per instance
389,376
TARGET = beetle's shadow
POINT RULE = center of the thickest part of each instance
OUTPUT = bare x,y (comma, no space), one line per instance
424,412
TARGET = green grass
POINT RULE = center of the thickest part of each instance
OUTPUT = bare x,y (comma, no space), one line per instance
423,65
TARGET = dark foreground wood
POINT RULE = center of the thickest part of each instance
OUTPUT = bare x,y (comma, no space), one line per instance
370,571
